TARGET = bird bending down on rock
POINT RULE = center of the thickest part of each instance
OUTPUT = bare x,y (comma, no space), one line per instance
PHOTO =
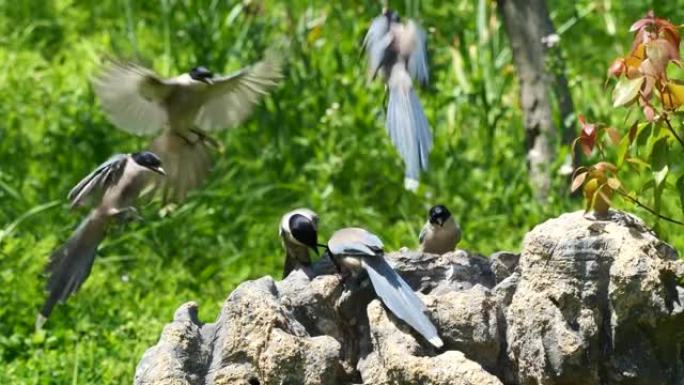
441,233
184,109
355,250
299,234
397,51
116,183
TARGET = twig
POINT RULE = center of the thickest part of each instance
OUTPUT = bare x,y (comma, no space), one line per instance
679,139
650,210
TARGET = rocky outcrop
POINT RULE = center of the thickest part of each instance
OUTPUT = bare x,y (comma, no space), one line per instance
587,301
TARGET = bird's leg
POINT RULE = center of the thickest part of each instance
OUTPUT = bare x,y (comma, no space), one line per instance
185,138
206,138
127,214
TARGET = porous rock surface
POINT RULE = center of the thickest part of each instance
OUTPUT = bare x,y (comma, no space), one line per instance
587,301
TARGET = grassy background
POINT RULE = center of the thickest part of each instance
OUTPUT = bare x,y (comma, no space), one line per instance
317,141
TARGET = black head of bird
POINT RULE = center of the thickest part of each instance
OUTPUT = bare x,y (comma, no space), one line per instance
201,74
438,215
303,230
149,160
392,16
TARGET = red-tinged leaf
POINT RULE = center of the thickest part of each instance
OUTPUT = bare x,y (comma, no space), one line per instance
587,136
641,23
649,113
672,35
614,183
605,166
659,53
613,134
647,68
578,181
617,68
626,91
647,89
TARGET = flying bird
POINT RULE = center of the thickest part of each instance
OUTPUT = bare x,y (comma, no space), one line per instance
182,111
115,184
355,250
397,51
299,234
441,233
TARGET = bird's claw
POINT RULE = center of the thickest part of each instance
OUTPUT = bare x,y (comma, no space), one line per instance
129,214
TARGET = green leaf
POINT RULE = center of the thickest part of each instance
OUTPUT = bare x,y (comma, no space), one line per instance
626,91
659,154
680,188
622,150
660,176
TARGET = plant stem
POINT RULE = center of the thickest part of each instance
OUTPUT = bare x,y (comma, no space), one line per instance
650,210
669,126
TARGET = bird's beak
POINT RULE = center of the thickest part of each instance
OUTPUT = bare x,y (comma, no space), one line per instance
159,170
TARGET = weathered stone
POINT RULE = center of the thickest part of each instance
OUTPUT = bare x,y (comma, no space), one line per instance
503,264
468,323
588,301
592,305
398,359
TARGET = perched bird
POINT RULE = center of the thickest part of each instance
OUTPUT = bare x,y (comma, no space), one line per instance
116,183
441,233
299,234
397,51
184,109
355,250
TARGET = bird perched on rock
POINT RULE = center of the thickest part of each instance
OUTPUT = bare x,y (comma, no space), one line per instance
441,233
184,109
116,184
299,234
397,51
356,250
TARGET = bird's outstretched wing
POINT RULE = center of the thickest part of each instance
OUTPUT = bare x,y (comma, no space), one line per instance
375,43
131,97
231,98
398,296
105,175
417,63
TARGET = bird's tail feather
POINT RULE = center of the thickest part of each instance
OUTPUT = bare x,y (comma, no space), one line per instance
407,125
187,163
70,265
398,296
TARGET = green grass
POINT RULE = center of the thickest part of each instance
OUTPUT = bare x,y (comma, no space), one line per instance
317,141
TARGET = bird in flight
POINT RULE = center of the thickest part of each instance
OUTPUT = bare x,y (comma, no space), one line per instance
182,111
396,50
114,185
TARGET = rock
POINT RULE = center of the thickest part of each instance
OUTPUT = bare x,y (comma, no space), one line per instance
468,323
398,359
503,264
587,301
431,273
592,305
